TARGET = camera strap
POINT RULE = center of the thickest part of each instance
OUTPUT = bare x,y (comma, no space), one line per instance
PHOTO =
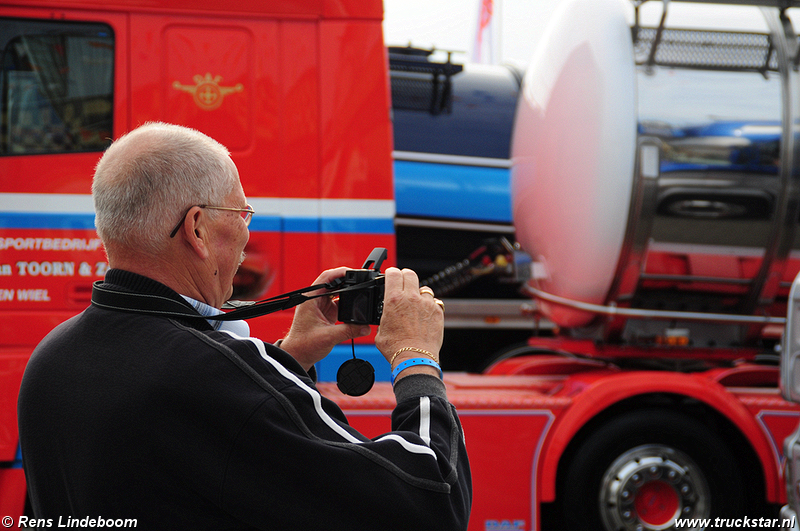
355,376
112,299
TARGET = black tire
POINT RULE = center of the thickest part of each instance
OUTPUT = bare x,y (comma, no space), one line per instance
685,470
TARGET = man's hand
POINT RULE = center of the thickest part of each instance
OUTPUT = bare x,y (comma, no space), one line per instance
314,331
411,319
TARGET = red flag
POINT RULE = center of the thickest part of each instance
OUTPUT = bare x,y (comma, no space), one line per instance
484,50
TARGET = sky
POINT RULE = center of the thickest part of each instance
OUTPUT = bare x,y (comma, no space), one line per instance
451,24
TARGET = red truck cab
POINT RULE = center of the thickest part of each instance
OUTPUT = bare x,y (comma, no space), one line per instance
297,91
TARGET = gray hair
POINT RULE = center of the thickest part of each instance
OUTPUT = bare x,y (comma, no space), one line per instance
151,176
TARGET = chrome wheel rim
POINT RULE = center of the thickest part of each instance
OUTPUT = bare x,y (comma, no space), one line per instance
648,487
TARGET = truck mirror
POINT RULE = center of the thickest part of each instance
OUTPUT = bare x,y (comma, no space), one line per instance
790,346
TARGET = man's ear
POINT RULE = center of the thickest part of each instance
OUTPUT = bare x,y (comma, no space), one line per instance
195,231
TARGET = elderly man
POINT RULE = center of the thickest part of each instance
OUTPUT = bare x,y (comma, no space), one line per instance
141,408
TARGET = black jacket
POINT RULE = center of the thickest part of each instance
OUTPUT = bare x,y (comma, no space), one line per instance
125,415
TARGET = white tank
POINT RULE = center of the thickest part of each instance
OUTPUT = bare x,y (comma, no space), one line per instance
573,151
654,185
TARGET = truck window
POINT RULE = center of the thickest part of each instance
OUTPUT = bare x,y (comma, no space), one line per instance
56,86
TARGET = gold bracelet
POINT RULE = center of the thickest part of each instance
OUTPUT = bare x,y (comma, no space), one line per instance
413,349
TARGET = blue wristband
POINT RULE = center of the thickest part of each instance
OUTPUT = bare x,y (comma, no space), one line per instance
413,362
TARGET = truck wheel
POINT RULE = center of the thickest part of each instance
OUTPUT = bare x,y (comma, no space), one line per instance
647,468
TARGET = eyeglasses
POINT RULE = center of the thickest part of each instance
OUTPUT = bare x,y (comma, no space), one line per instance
246,213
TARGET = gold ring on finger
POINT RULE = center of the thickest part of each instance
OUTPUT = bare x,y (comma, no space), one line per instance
426,290
439,302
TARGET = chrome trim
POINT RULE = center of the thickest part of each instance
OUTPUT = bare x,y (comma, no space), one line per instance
653,314
454,225
776,252
516,314
414,156
641,215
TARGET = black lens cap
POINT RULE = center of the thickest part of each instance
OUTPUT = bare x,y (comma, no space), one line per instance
355,377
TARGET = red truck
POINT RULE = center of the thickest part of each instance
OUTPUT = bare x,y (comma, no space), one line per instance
297,91
650,179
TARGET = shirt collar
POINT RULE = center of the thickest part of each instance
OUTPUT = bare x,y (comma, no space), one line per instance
238,327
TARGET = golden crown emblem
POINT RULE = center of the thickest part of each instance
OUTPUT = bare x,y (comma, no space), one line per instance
207,92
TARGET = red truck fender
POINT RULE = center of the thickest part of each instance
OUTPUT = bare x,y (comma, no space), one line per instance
594,395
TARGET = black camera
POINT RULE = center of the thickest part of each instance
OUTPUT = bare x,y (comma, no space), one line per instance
361,291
